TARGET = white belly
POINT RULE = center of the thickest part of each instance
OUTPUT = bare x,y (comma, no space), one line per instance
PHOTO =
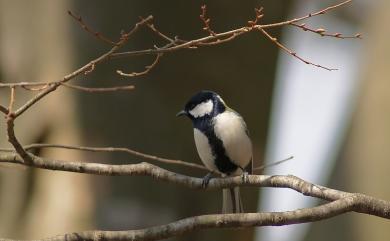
204,150
231,129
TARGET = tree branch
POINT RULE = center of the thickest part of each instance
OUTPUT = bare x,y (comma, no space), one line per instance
54,85
3,109
375,206
191,224
341,202
101,89
112,149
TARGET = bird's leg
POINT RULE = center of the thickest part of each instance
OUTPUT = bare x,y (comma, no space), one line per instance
206,179
244,175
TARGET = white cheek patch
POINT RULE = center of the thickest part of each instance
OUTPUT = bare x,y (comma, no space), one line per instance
202,109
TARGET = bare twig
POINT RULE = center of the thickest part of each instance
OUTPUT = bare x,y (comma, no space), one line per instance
310,15
290,52
160,34
179,44
147,68
258,16
111,149
89,30
323,32
3,109
206,21
213,38
262,167
95,90
11,101
39,88
134,153
25,158
54,85
21,84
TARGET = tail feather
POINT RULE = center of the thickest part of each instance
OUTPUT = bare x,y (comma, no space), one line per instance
231,201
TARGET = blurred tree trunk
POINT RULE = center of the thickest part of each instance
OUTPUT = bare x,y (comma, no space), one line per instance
368,154
363,165
35,46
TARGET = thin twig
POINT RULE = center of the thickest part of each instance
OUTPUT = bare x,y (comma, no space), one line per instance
206,21
160,34
25,158
89,30
3,109
21,84
262,167
239,31
29,88
310,15
95,90
208,40
54,85
290,52
323,32
258,16
11,101
111,149
147,68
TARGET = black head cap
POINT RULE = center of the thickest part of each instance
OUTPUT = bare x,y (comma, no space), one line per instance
212,99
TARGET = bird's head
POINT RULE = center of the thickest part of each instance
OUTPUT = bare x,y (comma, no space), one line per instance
203,105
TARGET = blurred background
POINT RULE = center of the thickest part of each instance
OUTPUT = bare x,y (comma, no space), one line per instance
335,124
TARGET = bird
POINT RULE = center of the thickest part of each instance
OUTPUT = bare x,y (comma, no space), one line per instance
222,141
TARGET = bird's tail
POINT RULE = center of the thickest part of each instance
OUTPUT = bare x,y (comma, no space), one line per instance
231,201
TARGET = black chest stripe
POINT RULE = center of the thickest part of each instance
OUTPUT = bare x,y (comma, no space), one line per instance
222,161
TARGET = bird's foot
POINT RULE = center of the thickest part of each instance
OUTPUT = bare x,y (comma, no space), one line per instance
244,176
206,179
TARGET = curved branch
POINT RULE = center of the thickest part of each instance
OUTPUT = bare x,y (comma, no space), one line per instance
115,149
186,225
224,35
54,85
368,205
99,89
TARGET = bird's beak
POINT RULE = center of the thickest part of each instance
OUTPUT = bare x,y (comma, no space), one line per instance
181,113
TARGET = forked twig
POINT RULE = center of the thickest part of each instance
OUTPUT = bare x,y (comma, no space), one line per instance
98,35
290,52
323,32
148,68
206,21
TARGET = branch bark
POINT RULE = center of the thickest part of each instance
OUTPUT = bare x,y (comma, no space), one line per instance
366,204
186,225
341,202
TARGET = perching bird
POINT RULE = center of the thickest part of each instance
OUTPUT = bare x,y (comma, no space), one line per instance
222,141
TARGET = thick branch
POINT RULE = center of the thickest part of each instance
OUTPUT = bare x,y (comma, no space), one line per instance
186,225
341,202
367,205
